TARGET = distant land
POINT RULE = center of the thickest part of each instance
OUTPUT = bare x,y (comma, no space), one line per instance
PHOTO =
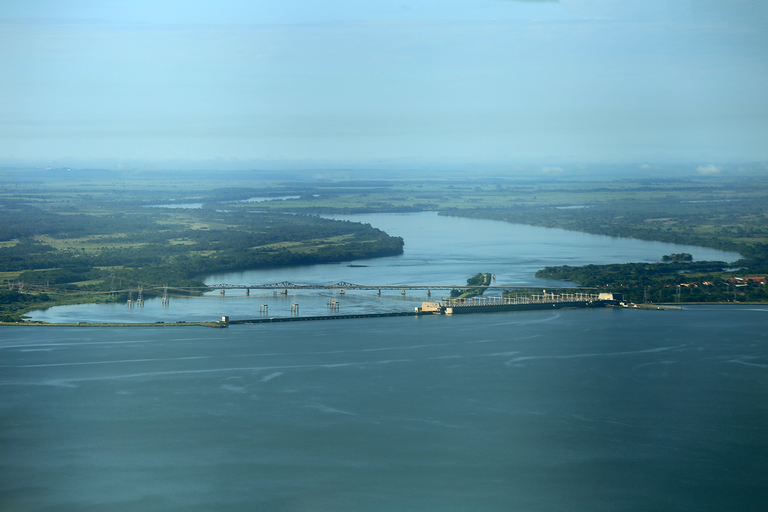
83,235
395,168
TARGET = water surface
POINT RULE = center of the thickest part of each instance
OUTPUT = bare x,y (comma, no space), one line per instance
545,411
593,410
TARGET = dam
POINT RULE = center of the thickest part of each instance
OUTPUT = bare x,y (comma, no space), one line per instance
519,303
466,306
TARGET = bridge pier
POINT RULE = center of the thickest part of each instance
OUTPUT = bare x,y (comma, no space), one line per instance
247,292
294,309
222,291
264,309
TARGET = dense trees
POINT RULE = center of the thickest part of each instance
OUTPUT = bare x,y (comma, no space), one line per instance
663,282
482,281
677,257
177,248
11,301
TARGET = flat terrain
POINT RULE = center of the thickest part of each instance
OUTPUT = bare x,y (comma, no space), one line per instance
98,236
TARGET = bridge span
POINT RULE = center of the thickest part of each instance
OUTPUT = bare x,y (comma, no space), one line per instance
343,285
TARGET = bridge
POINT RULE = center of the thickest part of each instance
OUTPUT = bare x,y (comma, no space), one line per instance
343,285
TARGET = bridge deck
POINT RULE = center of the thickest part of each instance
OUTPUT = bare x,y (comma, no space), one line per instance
351,286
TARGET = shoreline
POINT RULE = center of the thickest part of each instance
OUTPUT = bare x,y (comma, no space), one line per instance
39,323
220,324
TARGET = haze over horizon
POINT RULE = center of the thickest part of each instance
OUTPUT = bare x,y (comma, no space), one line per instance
488,81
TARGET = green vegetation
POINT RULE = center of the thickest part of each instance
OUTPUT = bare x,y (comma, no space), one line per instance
156,247
14,304
61,246
482,281
677,257
11,302
664,282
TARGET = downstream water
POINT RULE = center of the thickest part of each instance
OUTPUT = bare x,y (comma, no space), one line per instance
438,251
587,410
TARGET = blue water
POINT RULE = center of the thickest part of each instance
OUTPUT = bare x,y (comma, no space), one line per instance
593,410
605,409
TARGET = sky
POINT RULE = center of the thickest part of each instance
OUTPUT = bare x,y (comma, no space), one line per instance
94,82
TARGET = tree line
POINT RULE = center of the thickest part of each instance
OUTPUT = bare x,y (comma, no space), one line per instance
662,282
158,247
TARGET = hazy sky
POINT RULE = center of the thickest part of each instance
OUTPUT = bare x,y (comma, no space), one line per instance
464,80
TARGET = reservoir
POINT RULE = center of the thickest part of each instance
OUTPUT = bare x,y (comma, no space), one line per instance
601,409
590,409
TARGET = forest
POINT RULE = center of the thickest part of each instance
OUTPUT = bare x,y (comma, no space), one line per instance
664,282
89,249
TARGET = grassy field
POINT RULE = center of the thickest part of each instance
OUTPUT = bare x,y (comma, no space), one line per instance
9,276
710,207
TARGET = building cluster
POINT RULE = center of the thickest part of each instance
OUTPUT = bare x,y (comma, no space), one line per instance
735,281
744,281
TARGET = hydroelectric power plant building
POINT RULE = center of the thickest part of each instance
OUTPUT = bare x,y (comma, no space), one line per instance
464,306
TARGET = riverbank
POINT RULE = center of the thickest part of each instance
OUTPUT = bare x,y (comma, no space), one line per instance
95,324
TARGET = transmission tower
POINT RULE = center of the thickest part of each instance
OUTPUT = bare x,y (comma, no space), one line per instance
140,299
677,294
166,300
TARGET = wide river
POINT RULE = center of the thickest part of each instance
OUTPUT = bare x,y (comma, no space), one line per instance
438,251
588,410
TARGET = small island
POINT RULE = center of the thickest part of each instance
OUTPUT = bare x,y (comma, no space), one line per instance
480,282
677,257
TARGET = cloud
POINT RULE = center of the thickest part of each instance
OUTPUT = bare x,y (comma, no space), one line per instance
708,169
552,171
